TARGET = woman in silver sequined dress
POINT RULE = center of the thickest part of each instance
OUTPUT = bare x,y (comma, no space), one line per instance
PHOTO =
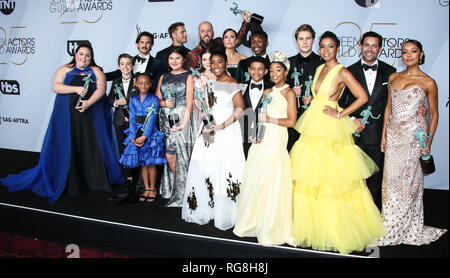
403,182
176,93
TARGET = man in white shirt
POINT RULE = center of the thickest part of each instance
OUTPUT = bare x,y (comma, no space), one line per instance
144,62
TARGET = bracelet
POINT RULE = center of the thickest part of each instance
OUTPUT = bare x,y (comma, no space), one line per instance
339,115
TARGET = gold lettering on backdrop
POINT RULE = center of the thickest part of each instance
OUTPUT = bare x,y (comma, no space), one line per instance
372,26
65,11
4,43
384,23
360,34
71,7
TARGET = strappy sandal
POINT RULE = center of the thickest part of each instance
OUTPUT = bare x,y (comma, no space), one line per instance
152,198
143,198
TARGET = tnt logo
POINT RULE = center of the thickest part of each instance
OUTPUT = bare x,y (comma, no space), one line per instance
7,6
9,87
72,46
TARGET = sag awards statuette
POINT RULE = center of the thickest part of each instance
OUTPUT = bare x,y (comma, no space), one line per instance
366,113
150,110
174,119
256,18
308,85
118,92
426,161
207,117
260,127
296,77
87,80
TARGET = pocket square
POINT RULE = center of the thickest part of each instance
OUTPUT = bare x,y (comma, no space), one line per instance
385,83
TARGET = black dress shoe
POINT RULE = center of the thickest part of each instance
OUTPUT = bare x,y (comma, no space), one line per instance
131,197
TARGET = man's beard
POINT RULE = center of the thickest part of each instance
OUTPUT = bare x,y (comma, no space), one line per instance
206,44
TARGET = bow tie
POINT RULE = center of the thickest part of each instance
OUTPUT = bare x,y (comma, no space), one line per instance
258,86
140,59
373,67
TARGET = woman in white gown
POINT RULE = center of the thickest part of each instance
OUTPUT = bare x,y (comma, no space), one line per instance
217,161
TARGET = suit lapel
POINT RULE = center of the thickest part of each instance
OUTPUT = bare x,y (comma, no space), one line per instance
378,83
247,101
362,78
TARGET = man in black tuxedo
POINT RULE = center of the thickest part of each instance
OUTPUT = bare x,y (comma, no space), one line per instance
373,75
258,68
144,62
258,44
179,37
306,62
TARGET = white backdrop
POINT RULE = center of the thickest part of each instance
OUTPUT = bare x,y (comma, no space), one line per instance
37,36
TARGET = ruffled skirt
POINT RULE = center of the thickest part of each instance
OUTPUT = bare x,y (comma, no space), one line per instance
151,153
333,209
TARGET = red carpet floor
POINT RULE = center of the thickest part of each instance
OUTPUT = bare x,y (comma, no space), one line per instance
16,246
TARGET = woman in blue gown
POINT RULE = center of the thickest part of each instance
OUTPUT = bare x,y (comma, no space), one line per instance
78,151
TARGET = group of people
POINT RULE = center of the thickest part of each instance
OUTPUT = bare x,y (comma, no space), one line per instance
276,147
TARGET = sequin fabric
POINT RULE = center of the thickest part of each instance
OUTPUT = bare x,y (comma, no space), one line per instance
403,181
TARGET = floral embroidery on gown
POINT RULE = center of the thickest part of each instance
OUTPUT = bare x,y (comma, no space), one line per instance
215,171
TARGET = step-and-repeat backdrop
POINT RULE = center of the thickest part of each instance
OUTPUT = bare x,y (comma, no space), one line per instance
38,36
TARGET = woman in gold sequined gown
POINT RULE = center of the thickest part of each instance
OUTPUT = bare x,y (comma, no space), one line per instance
402,186
333,208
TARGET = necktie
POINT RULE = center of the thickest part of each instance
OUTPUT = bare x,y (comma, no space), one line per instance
373,67
258,86
140,59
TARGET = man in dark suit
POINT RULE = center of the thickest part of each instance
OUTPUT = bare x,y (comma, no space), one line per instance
373,75
258,68
258,44
179,37
144,62
305,62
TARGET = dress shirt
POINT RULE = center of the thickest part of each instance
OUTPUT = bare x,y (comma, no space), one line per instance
140,67
255,93
371,76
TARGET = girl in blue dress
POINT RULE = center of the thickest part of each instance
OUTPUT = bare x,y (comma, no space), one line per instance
144,143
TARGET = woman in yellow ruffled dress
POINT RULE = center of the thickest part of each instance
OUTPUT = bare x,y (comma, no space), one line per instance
333,209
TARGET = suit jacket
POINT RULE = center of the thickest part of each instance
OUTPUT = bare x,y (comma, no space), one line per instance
371,135
249,119
119,114
309,68
154,69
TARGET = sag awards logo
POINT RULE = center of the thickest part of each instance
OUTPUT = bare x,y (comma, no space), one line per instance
161,35
16,45
349,33
7,6
69,10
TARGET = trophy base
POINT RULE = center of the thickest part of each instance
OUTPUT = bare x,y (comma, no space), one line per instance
174,120
427,165
208,120
259,132
256,18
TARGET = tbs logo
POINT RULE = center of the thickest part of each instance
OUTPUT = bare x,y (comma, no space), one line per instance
72,46
9,87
